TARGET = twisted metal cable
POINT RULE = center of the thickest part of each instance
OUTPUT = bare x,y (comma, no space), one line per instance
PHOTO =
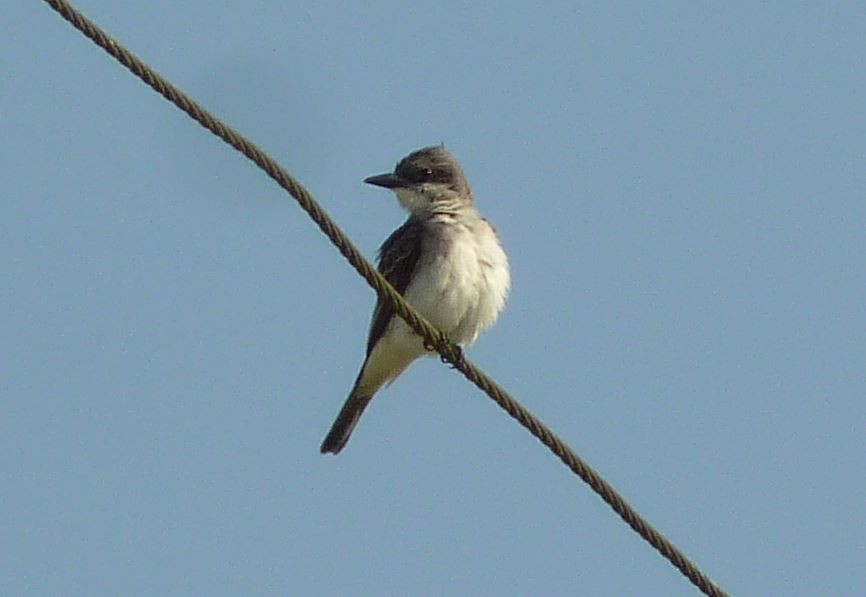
431,335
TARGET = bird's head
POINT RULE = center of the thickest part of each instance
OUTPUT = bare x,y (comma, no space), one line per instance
427,181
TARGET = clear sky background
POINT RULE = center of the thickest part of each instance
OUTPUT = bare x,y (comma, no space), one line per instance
680,188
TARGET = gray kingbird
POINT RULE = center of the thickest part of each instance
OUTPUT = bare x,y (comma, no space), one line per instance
446,260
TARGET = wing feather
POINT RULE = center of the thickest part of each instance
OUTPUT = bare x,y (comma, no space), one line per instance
398,257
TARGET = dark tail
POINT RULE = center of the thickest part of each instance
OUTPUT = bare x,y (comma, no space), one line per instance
345,423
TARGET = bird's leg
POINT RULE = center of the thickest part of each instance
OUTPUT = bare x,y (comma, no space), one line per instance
458,361
443,346
458,351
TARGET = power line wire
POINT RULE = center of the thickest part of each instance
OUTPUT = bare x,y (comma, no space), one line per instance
432,337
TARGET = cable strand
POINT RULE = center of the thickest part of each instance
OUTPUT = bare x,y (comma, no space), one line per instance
421,326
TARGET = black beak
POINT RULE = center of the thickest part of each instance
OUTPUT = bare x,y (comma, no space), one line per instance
388,181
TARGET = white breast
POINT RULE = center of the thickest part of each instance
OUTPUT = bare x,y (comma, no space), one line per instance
463,278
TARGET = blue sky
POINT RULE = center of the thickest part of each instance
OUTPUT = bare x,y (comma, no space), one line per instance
681,192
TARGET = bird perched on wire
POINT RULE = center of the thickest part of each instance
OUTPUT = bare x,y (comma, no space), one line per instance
447,262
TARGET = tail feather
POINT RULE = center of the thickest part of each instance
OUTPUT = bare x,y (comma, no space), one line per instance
382,366
345,423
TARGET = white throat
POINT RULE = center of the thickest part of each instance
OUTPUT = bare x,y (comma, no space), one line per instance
427,201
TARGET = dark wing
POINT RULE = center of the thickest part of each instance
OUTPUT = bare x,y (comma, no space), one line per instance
398,256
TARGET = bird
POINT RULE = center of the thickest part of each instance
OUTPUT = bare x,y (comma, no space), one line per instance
446,260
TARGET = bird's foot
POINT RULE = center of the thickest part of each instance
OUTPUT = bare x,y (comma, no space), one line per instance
443,346
458,360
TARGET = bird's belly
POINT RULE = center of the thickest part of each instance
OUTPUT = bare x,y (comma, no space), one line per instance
462,290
